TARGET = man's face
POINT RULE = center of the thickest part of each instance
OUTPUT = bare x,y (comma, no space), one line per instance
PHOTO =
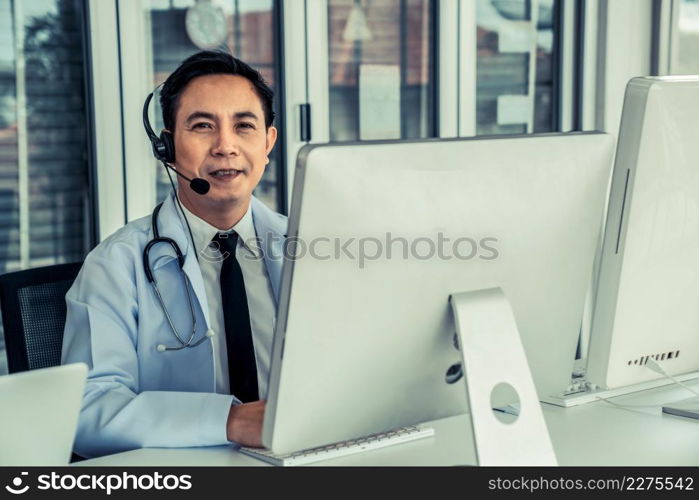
220,136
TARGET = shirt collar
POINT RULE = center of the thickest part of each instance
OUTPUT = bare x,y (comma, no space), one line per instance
203,232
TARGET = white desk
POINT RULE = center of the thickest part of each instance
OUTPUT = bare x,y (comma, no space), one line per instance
593,434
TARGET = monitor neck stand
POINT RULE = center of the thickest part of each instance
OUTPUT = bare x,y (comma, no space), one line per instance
493,354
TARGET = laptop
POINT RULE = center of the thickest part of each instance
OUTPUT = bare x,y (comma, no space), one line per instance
39,415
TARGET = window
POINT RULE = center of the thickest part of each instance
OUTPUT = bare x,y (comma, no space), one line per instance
516,86
45,211
685,60
381,69
246,29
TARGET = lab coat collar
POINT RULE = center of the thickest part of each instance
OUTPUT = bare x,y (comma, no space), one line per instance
271,233
204,232
270,228
170,225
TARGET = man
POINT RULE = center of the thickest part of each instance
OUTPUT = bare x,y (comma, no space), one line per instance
184,361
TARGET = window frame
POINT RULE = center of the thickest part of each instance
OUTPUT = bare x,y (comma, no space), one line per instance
106,104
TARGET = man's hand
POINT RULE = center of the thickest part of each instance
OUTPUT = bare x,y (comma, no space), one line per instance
244,424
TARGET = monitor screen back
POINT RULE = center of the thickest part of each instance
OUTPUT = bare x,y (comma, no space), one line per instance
647,300
383,233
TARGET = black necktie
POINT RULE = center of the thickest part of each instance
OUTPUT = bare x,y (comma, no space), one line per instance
242,369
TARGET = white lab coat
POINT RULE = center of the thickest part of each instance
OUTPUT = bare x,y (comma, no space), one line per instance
136,396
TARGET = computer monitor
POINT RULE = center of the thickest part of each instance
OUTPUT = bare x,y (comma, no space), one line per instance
647,299
384,233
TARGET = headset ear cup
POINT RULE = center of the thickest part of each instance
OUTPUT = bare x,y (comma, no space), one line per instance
168,146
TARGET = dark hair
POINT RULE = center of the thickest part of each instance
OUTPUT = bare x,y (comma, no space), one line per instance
210,62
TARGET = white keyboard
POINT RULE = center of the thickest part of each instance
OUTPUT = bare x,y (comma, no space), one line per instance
342,449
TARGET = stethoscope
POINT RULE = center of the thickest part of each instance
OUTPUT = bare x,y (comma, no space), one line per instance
157,239
164,151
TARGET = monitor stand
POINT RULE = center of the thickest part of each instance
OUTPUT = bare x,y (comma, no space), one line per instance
583,392
493,355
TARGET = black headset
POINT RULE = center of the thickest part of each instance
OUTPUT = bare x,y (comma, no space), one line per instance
163,146
164,150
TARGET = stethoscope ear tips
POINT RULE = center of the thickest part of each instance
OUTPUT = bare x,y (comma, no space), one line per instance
161,348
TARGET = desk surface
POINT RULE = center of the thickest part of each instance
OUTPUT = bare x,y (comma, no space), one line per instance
593,434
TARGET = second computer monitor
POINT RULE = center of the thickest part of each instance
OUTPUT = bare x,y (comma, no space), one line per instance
647,300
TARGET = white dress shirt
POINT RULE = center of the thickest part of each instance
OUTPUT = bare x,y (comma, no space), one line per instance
257,288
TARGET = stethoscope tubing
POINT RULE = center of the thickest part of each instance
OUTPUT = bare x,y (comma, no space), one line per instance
188,342
157,239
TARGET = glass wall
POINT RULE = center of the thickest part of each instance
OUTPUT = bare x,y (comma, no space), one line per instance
44,190
381,69
517,51
246,29
686,57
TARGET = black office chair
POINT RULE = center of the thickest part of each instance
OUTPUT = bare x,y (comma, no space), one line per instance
34,313
33,305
